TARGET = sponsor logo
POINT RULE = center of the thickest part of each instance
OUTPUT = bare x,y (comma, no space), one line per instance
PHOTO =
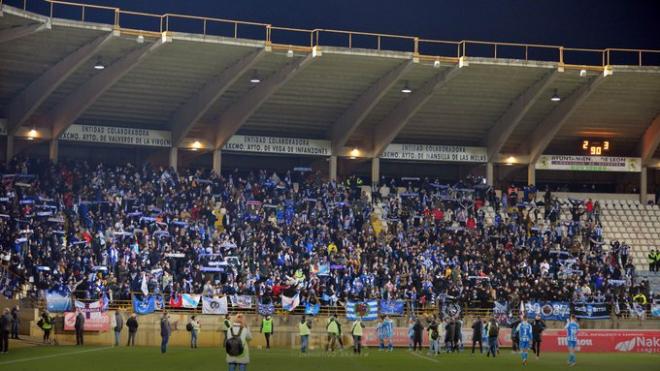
581,342
625,346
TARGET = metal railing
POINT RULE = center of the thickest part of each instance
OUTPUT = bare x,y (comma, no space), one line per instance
467,310
298,39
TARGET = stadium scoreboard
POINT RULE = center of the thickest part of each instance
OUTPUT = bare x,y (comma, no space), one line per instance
595,147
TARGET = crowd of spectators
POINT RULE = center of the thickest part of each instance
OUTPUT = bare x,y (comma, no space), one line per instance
103,231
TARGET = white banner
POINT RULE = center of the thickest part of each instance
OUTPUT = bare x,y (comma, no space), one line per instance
432,152
293,146
214,305
115,135
589,163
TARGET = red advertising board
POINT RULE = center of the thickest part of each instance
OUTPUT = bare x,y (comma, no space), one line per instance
637,341
96,322
606,341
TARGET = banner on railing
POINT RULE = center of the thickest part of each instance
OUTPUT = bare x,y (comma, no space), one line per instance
655,310
176,301
591,311
392,307
366,310
312,309
96,319
241,301
289,303
190,300
57,302
266,309
145,305
549,310
502,313
214,305
589,163
433,152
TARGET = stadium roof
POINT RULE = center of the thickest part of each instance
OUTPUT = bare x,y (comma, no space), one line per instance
320,84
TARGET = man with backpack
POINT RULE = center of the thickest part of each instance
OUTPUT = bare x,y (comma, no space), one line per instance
493,333
238,353
267,329
193,327
434,337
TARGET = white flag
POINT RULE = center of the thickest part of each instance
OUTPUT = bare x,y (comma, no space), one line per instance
144,288
214,305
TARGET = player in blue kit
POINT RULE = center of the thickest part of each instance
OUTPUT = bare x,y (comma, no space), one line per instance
572,329
385,329
524,331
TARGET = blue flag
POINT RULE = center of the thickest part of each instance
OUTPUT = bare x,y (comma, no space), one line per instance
367,310
57,301
312,309
392,307
145,306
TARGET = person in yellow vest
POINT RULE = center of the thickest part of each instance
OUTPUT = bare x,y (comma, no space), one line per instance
356,331
46,324
332,329
267,329
304,328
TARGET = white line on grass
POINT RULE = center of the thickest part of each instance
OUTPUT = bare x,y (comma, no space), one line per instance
424,357
53,355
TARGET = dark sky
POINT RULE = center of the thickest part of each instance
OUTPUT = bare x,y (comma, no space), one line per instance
572,23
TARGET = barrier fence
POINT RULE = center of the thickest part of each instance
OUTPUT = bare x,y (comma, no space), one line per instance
303,40
416,310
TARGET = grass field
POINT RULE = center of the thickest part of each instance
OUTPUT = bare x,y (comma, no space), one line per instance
71,358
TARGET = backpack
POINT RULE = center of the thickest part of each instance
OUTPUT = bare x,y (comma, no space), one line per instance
189,327
234,344
493,330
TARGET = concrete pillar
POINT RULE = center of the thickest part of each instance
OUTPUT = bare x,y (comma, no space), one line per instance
643,185
333,167
489,173
531,174
53,150
375,170
174,158
217,161
10,148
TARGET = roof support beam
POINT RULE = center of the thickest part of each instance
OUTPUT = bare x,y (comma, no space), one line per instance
650,141
235,116
18,32
507,123
27,101
351,119
83,97
402,113
197,106
549,127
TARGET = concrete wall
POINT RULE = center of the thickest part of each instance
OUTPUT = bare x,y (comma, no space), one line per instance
285,330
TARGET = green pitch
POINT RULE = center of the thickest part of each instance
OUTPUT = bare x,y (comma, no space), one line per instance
69,358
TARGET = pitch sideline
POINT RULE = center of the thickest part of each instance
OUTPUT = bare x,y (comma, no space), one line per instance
53,355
